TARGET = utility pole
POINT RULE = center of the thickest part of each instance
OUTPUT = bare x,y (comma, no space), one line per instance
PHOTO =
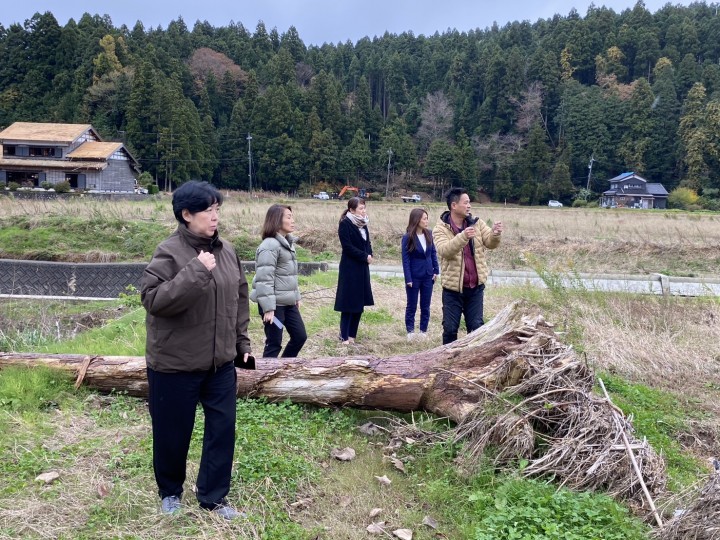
249,140
592,160
387,185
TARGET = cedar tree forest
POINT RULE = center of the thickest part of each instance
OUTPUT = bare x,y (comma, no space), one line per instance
515,112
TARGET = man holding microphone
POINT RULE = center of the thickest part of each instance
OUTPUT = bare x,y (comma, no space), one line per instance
460,241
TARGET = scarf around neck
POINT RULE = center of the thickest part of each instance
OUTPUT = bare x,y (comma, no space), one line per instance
358,221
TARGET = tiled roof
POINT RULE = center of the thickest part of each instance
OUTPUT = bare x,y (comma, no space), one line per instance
95,150
38,132
621,176
657,190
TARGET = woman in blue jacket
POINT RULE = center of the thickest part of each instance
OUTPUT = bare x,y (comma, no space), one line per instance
420,266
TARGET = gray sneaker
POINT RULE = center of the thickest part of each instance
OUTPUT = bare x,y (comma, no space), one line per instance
170,505
226,511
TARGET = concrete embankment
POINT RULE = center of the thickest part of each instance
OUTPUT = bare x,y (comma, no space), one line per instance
640,284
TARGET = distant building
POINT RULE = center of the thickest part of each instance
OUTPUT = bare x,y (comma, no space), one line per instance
33,153
630,190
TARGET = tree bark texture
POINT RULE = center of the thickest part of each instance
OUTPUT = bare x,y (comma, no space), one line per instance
448,380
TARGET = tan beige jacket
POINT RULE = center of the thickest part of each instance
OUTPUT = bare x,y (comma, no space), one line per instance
449,248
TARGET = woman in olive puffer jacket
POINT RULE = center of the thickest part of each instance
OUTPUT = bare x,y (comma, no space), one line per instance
275,286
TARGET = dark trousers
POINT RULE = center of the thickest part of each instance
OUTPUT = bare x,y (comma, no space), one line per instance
424,289
173,400
349,323
470,303
291,319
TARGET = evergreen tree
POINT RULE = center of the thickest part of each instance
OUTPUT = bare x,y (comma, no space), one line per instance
560,186
693,138
465,163
356,157
639,127
662,156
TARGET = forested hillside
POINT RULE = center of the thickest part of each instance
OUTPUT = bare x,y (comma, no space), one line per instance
517,111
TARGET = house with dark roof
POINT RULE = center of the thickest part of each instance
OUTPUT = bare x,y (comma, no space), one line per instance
630,190
33,153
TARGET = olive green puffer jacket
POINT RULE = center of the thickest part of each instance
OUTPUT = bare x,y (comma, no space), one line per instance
276,273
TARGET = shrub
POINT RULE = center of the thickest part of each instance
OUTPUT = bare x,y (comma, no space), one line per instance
374,196
13,186
579,203
145,179
46,185
709,204
682,197
153,189
62,187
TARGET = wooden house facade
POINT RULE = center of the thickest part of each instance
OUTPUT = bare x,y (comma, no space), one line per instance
630,190
34,153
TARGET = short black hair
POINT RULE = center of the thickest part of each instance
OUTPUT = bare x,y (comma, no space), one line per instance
194,196
453,195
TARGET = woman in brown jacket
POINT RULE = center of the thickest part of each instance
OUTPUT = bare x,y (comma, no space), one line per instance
196,297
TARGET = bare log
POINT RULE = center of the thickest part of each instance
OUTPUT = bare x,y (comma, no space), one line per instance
448,380
516,354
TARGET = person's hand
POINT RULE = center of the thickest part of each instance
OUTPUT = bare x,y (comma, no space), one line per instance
497,228
369,259
208,260
434,276
409,284
245,357
268,316
297,304
470,232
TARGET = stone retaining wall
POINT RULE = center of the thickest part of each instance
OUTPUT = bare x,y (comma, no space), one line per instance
90,280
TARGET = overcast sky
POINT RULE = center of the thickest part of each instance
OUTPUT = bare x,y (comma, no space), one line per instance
317,21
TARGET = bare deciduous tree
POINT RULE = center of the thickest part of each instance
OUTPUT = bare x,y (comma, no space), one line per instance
529,107
436,120
497,150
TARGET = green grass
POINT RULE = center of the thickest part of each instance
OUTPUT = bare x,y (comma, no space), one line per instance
662,418
283,448
488,506
280,450
116,238
121,337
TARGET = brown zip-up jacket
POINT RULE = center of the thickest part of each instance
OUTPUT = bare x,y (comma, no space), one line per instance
196,319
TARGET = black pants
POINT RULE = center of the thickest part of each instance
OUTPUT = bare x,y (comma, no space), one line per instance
290,317
173,401
349,323
470,303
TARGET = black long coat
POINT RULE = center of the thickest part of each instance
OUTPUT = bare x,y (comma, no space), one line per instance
353,290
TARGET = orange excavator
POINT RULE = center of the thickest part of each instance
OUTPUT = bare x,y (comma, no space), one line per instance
358,192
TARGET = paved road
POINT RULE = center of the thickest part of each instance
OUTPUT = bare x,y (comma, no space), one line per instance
641,284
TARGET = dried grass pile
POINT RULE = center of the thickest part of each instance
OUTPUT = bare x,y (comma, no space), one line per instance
700,517
553,421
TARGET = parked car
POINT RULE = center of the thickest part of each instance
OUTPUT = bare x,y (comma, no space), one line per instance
322,195
554,204
413,198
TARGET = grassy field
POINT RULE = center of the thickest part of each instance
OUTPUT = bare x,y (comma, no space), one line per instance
658,356
560,239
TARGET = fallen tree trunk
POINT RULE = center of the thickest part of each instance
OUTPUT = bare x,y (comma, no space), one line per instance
448,380
510,385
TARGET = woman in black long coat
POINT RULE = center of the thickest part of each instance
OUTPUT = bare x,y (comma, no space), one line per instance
353,290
